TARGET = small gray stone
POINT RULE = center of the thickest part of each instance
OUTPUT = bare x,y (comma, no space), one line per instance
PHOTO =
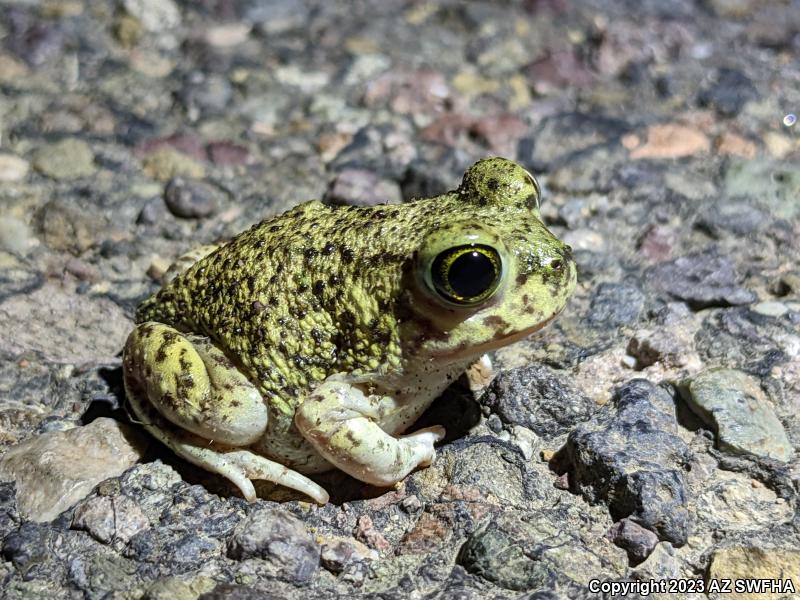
109,518
729,93
54,470
67,159
281,540
16,236
362,188
733,403
191,198
703,279
614,305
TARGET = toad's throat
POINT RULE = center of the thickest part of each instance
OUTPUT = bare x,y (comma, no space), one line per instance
501,339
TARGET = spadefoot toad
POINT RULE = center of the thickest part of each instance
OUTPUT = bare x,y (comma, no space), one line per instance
314,339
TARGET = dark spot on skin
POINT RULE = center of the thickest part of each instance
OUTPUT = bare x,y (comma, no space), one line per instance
309,254
525,299
522,278
257,307
328,248
493,184
496,322
259,244
531,202
302,288
352,438
348,255
275,228
333,280
273,301
482,201
319,287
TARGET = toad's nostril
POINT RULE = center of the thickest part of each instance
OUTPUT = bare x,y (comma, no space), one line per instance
556,264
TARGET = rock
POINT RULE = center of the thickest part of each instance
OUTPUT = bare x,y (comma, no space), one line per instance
62,326
55,470
771,309
191,199
110,518
12,168
177,588
68,159
338,553
750,563
614,305
359,187
733,403
155,15
634,461
776,184
637,541
227,35
539,398
228,154
730,144
16,236
670,140
702,279
662,346
729,93
366,532
735,216
280,539
167,163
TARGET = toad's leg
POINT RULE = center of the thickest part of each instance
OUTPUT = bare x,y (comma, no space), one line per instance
192,398
341,422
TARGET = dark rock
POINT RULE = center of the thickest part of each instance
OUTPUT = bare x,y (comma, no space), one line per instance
702,279
614,305
730,91
744,339
732,216
634,461
29,545
539,398
281,540
191,199
496,556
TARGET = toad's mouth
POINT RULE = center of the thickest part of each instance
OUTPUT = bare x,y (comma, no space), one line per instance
498,341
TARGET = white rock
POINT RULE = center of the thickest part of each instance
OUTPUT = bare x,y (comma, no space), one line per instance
55,470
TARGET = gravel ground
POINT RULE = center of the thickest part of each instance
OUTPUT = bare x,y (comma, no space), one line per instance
651,433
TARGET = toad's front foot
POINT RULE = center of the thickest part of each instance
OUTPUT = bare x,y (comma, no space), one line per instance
342,423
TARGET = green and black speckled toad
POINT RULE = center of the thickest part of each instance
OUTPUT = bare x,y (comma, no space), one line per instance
312,340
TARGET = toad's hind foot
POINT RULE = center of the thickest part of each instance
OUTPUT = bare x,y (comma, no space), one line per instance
240,466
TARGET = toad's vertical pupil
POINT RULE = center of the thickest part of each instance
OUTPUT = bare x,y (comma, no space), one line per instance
471,274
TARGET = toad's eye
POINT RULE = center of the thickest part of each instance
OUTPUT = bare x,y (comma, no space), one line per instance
466,275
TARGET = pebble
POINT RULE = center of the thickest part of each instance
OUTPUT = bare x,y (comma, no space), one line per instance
16,236
733,403
730,144
56,469
771,309
729,93
13,168
753,563
702,279
338,553
360,187
670,140
281,541
227,35
68,159
614,305
155,15
191,198
166,163
637,541
109,518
